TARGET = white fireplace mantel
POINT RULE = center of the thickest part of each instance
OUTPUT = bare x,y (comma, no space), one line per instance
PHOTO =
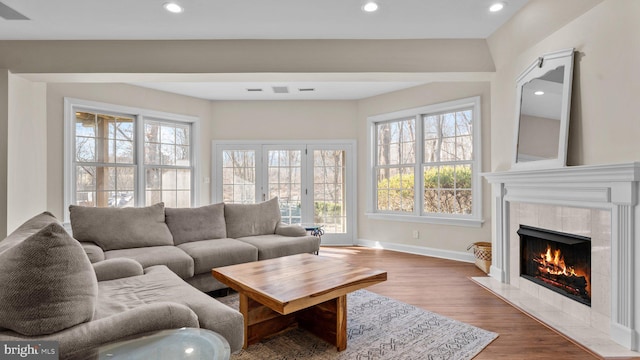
609,187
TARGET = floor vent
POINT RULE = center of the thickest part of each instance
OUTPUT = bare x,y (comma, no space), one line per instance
280,89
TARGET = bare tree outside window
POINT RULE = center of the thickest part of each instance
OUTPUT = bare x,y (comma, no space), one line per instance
396,156
104,158
167,160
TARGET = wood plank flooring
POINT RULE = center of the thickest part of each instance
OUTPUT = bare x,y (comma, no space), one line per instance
444,287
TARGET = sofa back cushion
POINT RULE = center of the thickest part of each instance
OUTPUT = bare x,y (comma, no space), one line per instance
121,228
47,283
195,224
252,219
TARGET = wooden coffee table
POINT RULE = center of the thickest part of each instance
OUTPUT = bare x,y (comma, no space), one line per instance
301,290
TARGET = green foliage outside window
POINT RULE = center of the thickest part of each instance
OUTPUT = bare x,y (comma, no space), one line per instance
447,190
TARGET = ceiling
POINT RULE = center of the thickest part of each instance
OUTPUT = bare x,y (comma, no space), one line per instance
257,19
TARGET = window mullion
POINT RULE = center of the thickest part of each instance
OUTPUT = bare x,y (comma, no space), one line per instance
418,173
140,185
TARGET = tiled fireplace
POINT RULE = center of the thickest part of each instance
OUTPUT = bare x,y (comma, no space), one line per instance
598,204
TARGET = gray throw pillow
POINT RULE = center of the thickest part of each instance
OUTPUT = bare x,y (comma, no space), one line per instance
121,228
47,283
195,224
252,219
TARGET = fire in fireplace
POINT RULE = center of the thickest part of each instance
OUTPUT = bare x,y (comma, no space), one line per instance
558,261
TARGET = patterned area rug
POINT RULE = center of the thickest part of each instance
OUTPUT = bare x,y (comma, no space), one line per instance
378,328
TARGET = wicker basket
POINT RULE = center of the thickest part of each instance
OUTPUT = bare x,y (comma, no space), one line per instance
482,253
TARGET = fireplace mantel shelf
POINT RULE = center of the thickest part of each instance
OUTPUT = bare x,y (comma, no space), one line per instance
626,172
614,188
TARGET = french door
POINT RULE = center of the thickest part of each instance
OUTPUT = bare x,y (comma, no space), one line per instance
313,182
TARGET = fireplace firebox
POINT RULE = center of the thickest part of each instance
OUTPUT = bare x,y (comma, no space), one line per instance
558,261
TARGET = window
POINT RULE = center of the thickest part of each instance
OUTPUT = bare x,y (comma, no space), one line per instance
313,181
123,157
425,164
167,160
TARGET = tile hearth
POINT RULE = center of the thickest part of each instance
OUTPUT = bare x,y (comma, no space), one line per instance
578,331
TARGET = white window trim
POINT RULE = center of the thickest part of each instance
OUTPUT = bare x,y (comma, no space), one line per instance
217,146
472,220
69,120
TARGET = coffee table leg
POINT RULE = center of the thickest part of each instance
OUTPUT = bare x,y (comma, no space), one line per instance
327,321
261,322
244,310
341,323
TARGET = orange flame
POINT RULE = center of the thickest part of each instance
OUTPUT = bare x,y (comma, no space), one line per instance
552,262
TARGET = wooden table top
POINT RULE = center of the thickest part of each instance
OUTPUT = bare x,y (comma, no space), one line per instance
291,283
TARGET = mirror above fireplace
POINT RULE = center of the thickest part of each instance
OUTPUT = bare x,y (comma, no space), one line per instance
544,102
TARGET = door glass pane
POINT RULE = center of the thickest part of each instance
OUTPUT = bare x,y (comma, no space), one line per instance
239,176
329,190
281,165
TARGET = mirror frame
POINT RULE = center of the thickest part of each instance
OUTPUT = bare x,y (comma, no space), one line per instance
538,68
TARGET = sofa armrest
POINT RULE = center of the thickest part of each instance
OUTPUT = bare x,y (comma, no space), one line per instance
94,252
117,268
76,342
290,230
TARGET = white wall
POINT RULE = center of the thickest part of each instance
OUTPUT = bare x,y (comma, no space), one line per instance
449,238
27,149
118,94
604,125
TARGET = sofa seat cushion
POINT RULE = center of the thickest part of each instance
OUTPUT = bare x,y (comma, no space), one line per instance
175,259
121,228
159,284
272,246
252,219
195,224
47,281
208,254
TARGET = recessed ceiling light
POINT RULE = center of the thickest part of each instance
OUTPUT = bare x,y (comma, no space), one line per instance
370,7
496,7
173,7
539,92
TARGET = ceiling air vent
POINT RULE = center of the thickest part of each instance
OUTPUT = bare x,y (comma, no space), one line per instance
280,89
254,90
8,13
306,89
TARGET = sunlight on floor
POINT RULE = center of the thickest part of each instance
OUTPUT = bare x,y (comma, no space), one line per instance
338,252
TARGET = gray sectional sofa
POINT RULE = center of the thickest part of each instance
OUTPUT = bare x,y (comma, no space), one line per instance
131,273
190,241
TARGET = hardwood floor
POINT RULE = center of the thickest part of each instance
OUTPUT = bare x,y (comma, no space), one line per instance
444,287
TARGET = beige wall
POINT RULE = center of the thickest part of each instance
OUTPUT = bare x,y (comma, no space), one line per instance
283,120
118,94
246,56
453,238
604,126
27,149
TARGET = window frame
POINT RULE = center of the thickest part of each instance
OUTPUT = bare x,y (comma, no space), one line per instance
140,115
418,215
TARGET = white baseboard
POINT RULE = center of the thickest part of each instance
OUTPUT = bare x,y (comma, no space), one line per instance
419,250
